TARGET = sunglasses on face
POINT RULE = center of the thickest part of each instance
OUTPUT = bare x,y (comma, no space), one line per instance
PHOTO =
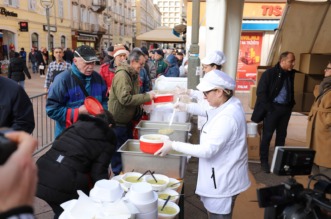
207,92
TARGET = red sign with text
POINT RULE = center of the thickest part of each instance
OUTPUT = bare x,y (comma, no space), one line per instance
248,60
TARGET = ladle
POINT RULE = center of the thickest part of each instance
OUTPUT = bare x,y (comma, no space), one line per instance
173,113
169,131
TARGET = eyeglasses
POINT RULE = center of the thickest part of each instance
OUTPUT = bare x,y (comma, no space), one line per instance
207,92
327,68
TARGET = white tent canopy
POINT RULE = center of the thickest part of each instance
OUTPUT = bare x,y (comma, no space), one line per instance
305,28
160,34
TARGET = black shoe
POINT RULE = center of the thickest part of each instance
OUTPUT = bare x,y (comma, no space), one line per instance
265,167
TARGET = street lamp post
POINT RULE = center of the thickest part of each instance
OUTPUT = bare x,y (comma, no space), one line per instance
47,4
108,22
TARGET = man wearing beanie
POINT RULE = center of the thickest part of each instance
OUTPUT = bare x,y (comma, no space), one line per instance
107,70
160,64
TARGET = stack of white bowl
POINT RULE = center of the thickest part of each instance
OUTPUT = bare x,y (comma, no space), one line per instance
142,196
106,191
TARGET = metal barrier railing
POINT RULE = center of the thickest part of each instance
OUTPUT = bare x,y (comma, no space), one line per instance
44,126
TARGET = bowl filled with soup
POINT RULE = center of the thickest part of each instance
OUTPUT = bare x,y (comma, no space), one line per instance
170,210
168,192
158,182
151,143
130,178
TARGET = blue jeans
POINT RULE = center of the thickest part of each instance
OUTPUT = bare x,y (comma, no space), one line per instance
123,133
34,67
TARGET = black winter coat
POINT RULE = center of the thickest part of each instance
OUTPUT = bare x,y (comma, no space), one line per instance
79,157
17,68
16,110
269,86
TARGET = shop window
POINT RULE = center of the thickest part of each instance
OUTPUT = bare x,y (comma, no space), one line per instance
60,5
63,42
75,10
35,40
32,5
14,3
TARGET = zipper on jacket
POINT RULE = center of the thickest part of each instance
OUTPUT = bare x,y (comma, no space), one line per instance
213,177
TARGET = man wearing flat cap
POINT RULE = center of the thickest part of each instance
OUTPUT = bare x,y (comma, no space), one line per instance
160,64
68,91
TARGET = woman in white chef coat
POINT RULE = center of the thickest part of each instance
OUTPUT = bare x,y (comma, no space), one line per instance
222,152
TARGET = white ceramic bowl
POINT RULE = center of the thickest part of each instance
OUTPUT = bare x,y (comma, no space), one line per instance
161,184
119,179
170,206
141,192
173,183
165,193
106,191
143,197
130,178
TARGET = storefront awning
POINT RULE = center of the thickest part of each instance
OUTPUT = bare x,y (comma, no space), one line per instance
260,25
160,34
87,35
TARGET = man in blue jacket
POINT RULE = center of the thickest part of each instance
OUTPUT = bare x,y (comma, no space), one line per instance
66,98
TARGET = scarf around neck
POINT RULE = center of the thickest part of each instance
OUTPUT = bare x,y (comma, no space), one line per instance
326,83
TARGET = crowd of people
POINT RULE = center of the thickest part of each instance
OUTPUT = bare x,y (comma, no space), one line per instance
86,142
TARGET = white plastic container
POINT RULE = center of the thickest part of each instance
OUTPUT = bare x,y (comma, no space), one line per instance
106,191
169,83
142,196
251,129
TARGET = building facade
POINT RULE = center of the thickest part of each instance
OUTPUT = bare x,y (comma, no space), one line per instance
23,24
146,17
85,25
172,11
120,12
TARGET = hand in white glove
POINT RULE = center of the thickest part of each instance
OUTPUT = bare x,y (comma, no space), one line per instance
180,90
166,148
151,94
180,106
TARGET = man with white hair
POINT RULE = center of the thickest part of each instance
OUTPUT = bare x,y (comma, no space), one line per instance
67,94
125,101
